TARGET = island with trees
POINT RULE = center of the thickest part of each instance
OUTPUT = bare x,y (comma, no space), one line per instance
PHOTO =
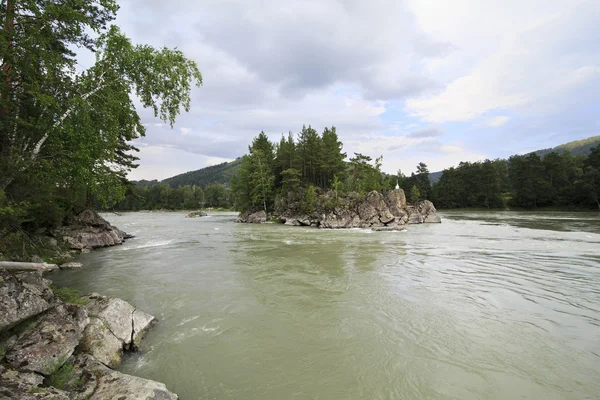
306,181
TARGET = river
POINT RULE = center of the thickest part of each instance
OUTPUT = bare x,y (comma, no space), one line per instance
497,305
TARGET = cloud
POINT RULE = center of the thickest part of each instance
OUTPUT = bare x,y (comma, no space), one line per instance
412,79
430,131
497,121
533,63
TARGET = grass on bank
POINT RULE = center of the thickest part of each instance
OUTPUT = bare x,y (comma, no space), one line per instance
70,296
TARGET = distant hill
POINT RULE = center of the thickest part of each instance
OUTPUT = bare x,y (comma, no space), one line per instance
220,173
576,147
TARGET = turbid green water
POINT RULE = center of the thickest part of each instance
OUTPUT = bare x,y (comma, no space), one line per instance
483,306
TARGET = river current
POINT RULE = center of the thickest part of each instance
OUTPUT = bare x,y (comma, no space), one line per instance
499,305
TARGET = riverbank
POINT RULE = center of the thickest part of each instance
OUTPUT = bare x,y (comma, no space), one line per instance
56,344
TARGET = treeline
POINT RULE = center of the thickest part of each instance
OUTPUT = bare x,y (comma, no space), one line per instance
161,196
309,163
529,181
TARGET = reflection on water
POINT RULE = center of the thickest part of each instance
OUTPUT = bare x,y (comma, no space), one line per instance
485,305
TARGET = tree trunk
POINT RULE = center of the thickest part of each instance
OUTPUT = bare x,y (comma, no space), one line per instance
27,266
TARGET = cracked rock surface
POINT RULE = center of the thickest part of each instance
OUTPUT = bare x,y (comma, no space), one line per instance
42,338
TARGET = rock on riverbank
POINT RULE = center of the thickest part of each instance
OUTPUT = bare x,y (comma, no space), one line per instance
89,230
50,349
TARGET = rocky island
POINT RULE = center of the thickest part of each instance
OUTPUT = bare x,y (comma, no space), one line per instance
373,210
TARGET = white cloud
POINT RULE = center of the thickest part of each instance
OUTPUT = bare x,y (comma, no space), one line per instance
498,121
414,80
517,57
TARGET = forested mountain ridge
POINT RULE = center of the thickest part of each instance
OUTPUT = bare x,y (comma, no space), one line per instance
220,173
581,147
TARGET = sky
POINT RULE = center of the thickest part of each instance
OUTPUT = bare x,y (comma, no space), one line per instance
413,80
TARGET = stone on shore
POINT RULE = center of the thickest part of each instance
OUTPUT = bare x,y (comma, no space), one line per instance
22,299
50,341
258,217
71,265
105,383
45,342
195,214
89,230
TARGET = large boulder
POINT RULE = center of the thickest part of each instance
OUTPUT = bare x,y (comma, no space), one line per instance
49,341
421,212
100,382
340,218
26,386
374,211
396,202
89,230
115,326
196,214
22,296
258,217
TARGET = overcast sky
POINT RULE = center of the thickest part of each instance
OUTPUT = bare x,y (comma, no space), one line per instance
417,80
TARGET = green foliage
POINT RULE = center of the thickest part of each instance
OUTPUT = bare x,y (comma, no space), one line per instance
64,133
309,204
221,173
70,296
554,180
473,185
422,180
415,194
64,377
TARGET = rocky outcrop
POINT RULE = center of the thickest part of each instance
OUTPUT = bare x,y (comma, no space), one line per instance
42,338
21,299
422,212
375,211
50,341
115,326
89,230
258,217
196,214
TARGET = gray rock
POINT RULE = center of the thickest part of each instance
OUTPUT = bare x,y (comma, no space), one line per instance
89,231
258,217
25,385
103,383
53,338
100,342
396,202
432,219
340,219
388,229
141,323
195,214
117,314
22,298
123,321
71,265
